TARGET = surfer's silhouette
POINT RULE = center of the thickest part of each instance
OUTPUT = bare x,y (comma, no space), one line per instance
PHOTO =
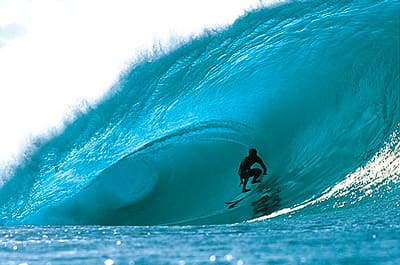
246,172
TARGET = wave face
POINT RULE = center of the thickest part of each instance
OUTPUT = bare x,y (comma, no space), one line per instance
314,86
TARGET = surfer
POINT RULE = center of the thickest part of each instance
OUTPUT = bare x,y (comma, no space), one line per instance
246,172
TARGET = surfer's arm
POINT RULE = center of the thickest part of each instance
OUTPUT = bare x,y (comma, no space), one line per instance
240,169
259,161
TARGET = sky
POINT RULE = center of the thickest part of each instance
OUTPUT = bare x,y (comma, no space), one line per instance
56,55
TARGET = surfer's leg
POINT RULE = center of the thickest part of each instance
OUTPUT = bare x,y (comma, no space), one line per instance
241,180
246,179
256,172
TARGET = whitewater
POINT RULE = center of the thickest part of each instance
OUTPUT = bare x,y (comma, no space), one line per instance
140,173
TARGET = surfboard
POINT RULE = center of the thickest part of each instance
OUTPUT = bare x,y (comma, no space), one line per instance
243,195
237,199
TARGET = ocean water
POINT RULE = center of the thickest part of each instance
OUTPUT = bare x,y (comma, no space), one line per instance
143,176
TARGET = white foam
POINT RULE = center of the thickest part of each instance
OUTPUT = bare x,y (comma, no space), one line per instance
382,169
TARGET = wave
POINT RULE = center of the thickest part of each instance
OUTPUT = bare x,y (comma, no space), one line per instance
314,86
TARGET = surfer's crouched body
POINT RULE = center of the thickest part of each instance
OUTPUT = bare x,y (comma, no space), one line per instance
246,172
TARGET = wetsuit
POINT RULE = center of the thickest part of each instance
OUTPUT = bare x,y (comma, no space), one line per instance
246,172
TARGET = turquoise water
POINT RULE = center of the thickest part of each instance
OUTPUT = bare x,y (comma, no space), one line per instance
340,237
142,177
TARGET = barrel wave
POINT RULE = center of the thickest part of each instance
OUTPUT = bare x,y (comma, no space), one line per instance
314,86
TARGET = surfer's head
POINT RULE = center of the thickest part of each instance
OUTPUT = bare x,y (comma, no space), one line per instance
252,152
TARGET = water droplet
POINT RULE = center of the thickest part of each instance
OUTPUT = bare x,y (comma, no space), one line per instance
15,247
229,257
108,262
213,258
239,262
118,242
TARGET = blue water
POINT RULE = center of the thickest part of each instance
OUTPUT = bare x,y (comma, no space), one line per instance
142,177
